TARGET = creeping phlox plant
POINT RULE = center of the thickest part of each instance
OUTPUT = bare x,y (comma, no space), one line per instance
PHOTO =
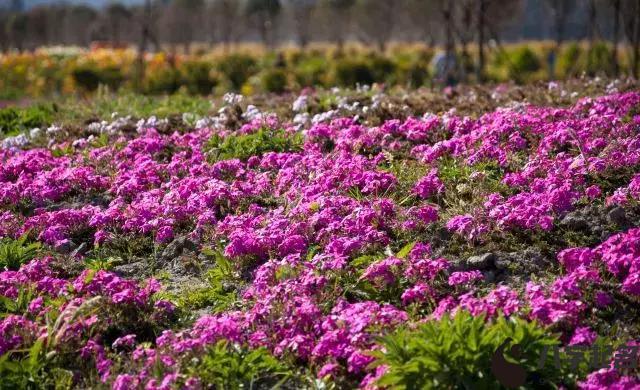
342,248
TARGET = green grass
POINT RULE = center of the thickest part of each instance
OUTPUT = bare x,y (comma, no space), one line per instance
14,120
243,146
104,105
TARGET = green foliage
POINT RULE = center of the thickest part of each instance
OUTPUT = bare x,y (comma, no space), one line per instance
90,77
599,59
229,366
14,120
457,353
310,72
274,80
568,60
382,68
101,263
237,68
349,72
198,77
14,253
219,293
523,62
103,105
243,146
414,74
17,305
26,372
162,81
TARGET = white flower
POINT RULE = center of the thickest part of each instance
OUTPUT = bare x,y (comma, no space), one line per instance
17,141
323,116
202,123
53,129
252,113
301,119
300,104
35,132
79,143
232,98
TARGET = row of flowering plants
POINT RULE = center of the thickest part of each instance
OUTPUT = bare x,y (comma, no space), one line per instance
330,252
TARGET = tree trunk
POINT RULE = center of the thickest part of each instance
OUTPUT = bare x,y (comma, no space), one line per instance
144,41
636,44
481,21
446,13
593,17
616,38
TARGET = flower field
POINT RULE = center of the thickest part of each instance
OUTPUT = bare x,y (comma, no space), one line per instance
336,239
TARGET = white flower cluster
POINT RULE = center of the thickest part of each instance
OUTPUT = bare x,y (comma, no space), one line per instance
151,122
231,98
300,104
252,113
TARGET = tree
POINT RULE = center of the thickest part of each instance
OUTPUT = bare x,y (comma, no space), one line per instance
227,17
492,15
592,28
376,20
446,10
616,4
38,21
116,15
482,12
4,37
423,18
631,25
560,12
264,14
302,11
77,24
340,16
180,20
16,29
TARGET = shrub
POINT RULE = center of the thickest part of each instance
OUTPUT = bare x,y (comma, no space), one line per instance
524,63
243,146
382,69
414,74
198,77
90,77
350,72
14,253
237,68
568,61
311,72
274,80
599,59
457,352
162,81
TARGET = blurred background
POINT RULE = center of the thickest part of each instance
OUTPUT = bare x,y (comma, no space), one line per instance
213,46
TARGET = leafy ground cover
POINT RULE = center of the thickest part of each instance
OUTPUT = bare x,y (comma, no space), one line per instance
336,239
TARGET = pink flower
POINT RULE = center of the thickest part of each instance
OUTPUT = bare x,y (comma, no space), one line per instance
464,278
429,185
593,192
583,336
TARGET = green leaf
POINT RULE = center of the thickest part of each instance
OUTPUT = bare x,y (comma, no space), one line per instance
404,252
